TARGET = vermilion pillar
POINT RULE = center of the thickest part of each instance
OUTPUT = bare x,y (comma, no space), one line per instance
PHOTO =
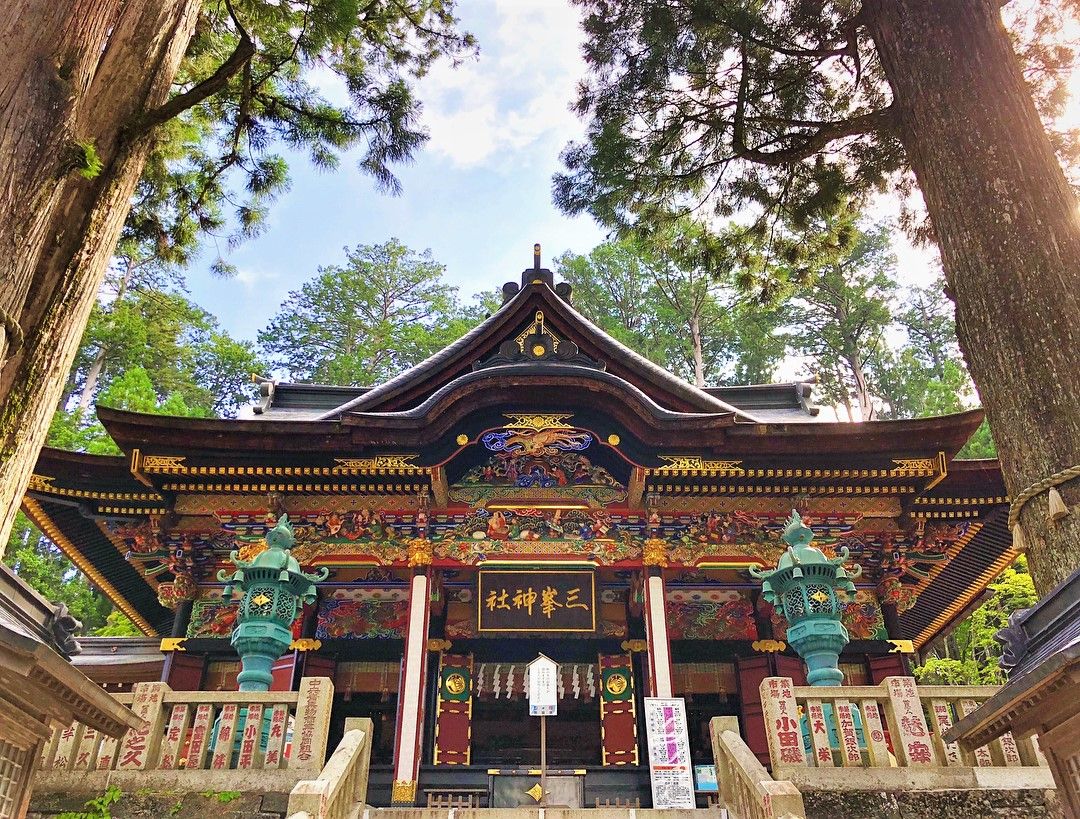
410,707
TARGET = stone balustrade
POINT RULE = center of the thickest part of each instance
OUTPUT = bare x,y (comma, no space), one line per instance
340,790
199,741
746,789
873,737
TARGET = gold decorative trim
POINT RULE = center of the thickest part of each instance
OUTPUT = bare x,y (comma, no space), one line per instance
537,326
614,440
768,646
655,552
462,439
634,646
420,552
173,644
45,524
44,484
693,464
914,466
321,488
538,421
381,462
983,501
41,483
958,605
305,644
169,464
901,647
776,489
403,792
436,644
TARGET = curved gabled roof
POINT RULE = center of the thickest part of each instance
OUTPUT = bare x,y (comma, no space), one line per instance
416,384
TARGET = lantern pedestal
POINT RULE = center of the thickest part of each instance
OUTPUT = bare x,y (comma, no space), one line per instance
259,645
819,643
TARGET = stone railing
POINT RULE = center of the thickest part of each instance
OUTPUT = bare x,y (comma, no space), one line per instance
340,790
198,740
876,737
746,789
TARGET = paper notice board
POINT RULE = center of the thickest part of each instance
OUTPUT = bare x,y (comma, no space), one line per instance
670,768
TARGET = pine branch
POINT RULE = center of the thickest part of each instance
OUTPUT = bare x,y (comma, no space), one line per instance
241,55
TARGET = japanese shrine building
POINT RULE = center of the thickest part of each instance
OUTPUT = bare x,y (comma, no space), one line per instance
534,487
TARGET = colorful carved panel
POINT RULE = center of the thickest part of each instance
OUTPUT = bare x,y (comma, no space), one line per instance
363,614
453,710
213,617
597,535
863,618
537,463
366,532
710,614
618,721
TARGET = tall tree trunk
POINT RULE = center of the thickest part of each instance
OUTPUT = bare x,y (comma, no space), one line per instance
862,391
699,357
1006,222
105,64
86,397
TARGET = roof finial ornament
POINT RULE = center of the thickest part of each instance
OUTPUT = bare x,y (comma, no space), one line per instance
536,256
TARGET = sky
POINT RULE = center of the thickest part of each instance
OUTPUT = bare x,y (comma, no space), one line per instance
478,194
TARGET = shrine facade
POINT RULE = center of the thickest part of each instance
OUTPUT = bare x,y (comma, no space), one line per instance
535,487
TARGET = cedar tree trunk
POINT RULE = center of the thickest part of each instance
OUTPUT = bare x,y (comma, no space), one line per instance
74,71
1006,222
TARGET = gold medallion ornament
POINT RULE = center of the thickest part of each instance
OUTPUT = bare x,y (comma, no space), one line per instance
455,684
260,600
420,553
655,552
616,684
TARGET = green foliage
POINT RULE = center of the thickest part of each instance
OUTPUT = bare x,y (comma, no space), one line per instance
969,655
88,161
252,84
40,563
659,302
777,112
224,797
386,309
99,807
840,319
117,625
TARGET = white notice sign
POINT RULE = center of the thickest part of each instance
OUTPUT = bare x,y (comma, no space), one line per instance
543,687
669,753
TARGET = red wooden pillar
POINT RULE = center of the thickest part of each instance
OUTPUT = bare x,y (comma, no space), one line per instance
183,671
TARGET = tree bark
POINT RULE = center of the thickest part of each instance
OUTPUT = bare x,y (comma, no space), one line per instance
1006,223
104,65
86,397
699,356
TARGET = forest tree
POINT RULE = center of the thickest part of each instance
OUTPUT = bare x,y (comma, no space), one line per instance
781,112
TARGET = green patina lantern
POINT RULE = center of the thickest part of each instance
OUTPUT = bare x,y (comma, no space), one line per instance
274,588
811,591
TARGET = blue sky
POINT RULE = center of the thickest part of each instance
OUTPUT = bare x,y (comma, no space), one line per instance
478,194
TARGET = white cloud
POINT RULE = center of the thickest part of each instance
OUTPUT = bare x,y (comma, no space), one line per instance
250,277
516,94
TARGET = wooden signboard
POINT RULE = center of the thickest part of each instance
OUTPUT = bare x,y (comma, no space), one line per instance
536,600
453,710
